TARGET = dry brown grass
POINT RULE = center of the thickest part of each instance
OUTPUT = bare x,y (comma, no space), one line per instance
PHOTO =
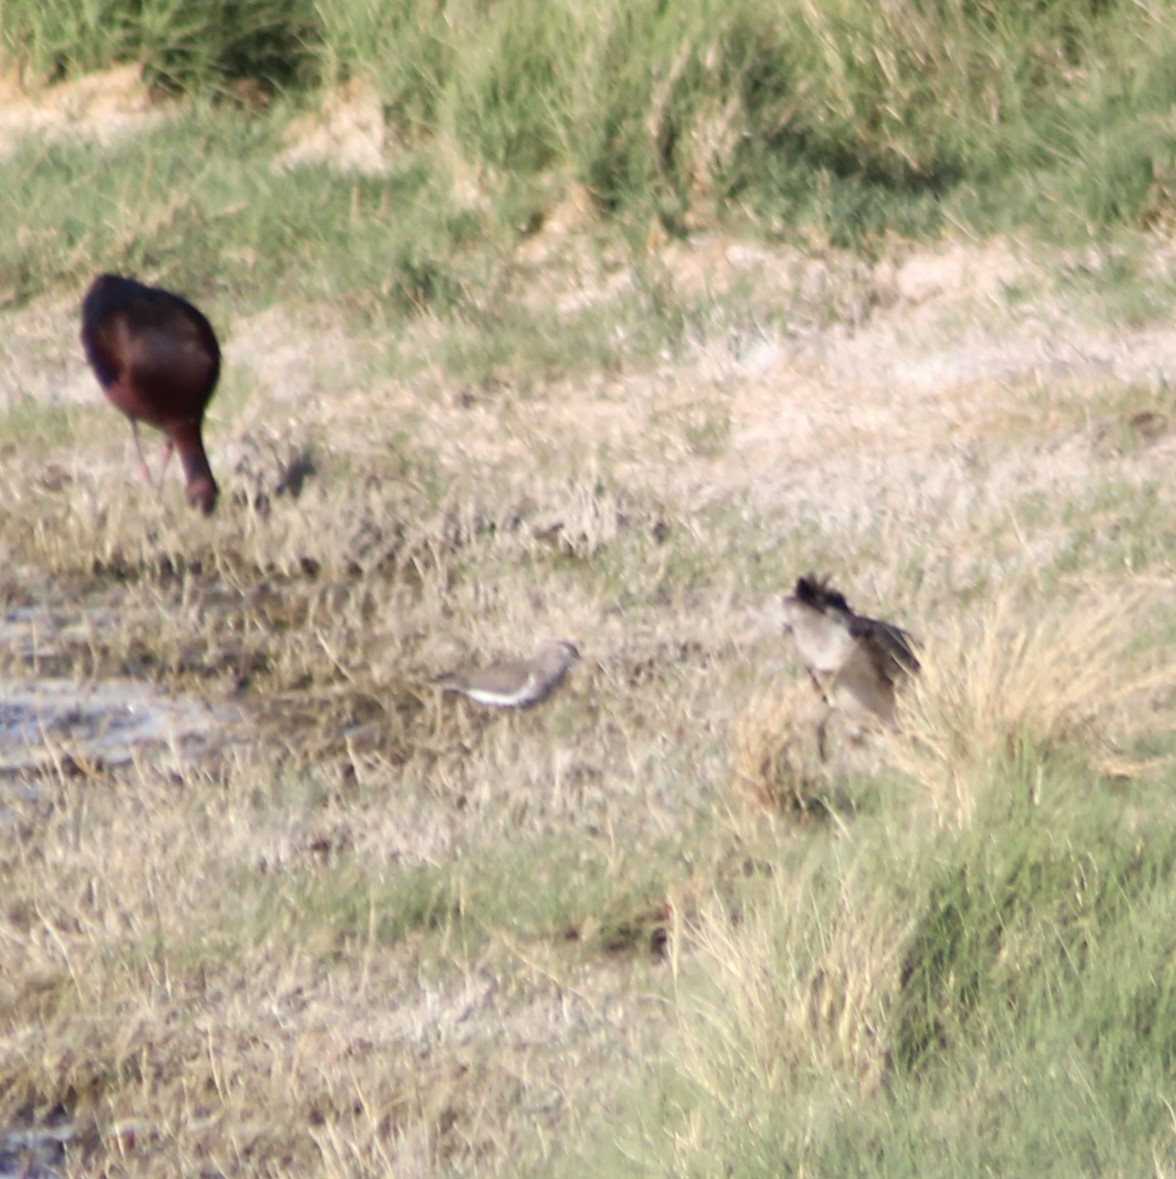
801,983
211,973
775,757
1087,675
371,931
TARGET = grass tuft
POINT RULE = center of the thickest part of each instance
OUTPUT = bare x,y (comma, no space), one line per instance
775,756
1001,688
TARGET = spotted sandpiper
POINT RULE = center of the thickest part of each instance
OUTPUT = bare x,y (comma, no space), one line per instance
515,683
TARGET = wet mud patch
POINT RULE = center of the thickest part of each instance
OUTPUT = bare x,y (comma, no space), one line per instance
96,671
62,702
48,720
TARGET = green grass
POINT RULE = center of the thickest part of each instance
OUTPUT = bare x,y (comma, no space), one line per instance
842,123
198,206
551,888
1027,1020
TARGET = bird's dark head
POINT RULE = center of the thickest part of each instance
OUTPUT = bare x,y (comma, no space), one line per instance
816,592
203,493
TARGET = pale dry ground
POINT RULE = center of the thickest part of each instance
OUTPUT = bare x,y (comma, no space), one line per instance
103,107
379,933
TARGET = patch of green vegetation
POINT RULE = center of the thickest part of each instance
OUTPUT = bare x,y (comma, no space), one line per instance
351,908
559,887
198,206
1032,1001
186,45
1018,915
549,888
844,121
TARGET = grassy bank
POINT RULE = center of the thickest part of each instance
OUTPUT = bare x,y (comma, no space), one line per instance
371,932
826,123
981,987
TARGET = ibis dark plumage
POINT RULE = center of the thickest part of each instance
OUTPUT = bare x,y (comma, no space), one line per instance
157,359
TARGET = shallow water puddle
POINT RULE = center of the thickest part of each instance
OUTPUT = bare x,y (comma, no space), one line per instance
47,714
30,1151
105,721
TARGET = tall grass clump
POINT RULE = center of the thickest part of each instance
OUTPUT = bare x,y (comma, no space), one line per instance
938,1003
511,95
185,45
1081,682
